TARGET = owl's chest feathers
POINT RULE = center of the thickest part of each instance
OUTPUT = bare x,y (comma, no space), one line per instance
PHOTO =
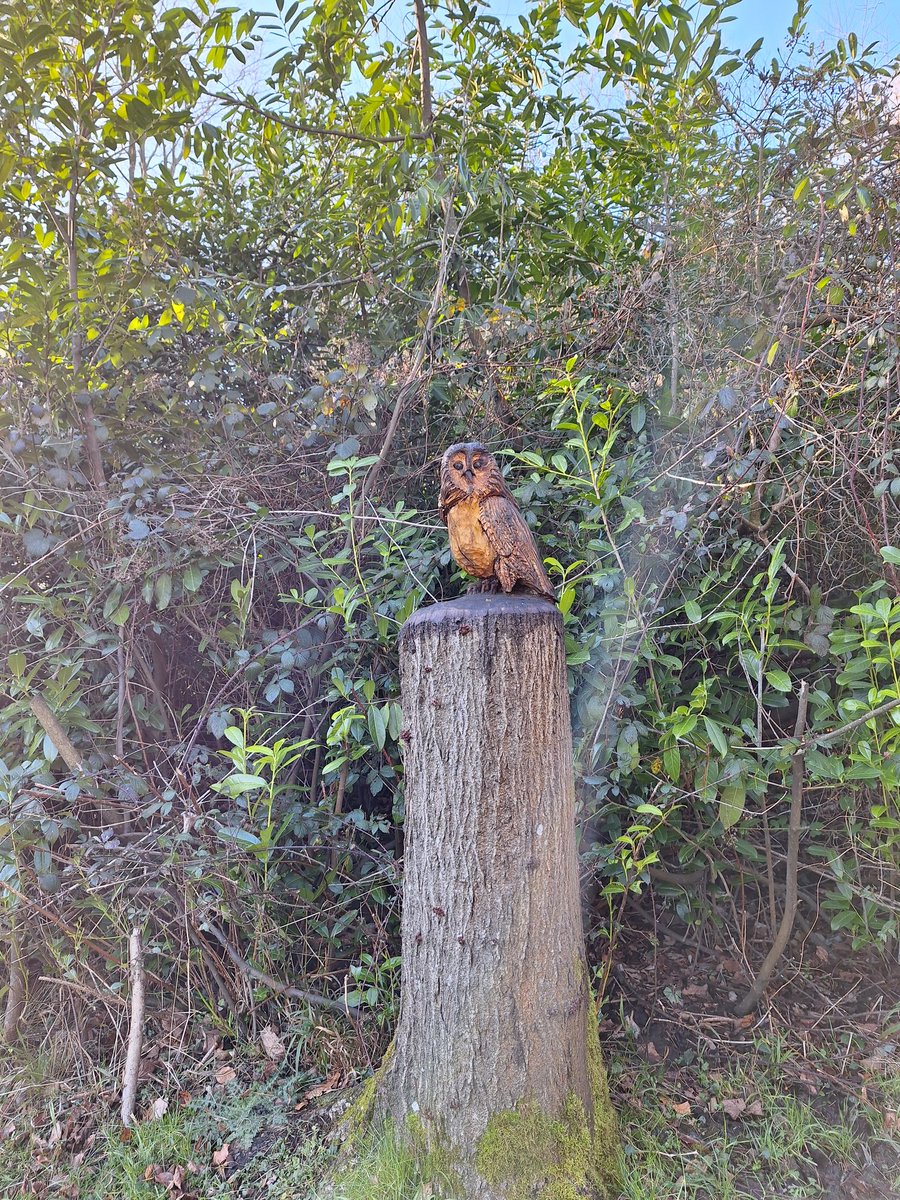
470,547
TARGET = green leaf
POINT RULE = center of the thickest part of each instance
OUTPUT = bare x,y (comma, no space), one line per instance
891,555
120,616
779,680
732,799
566,599
693,611
773,350
163,590
239,783
16,663
191,579
672,762
377,726
716,735
685,726
801,189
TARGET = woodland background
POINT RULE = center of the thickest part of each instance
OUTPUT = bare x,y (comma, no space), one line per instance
239,322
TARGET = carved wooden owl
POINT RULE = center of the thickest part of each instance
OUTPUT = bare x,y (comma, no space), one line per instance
489,537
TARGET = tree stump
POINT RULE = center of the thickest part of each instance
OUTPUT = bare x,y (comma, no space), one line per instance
495,1062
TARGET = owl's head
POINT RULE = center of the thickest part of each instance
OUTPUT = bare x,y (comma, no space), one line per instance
467,469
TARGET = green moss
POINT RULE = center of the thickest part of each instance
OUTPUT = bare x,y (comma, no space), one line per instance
606,1146
358,1117
528,1154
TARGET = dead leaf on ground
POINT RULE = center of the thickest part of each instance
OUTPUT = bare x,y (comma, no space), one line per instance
735,1107
699,991
158,1108
272,1045
225,1075
319,1089
683,1109
221,1156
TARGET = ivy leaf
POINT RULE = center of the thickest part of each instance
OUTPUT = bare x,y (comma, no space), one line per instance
891,555
138,529
191,579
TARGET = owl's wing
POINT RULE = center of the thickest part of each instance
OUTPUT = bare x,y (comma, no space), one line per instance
508,533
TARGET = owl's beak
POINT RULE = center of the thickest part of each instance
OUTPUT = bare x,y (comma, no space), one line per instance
468,474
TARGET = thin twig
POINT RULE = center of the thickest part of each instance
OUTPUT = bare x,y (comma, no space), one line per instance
790,870
347,135
854,724
48,721
15,996
275,985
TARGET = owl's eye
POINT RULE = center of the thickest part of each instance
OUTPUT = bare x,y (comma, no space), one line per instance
478,464
458,466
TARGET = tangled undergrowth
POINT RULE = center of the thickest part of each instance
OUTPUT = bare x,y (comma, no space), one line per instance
668,295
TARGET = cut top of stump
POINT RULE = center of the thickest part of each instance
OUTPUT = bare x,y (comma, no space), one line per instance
478,608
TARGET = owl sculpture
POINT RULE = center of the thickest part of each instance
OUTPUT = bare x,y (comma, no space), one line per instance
489,537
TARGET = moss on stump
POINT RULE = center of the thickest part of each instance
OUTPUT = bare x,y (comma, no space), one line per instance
527,1154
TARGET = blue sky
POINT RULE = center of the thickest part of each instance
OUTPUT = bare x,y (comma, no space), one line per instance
870,20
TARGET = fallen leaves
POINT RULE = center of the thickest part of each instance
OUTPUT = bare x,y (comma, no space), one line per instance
225,1075
330,1084
172,1180
273,1046
221,1156
736,1108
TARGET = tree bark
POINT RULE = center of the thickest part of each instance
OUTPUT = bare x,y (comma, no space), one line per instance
495,1062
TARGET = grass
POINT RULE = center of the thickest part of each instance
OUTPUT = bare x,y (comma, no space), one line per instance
679,1143
782,1146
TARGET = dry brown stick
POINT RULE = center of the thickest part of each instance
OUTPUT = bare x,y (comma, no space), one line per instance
15,997
120,695
782,938
767,832
275,985
153,685
338,809
136,1030
57,735
85,990
819,738
75,935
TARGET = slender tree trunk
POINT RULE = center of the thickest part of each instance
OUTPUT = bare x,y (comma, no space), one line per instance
496,1059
